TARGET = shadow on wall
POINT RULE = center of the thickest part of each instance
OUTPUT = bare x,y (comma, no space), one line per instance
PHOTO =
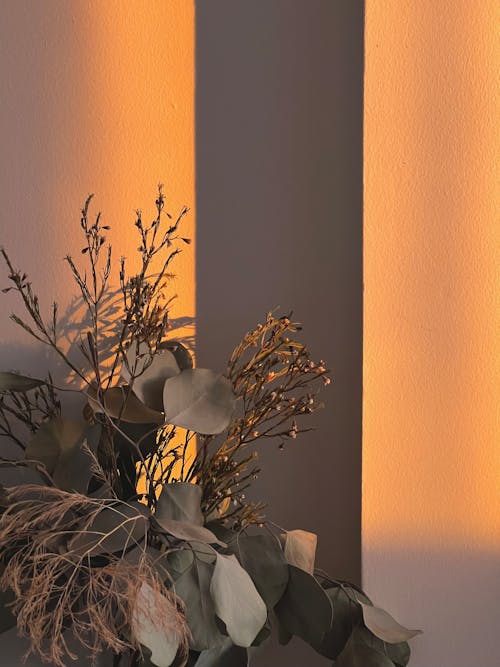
279,223
471,584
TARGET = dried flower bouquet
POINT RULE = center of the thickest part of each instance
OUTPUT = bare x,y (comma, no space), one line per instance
129,530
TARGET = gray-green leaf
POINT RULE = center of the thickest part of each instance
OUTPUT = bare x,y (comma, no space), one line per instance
121,403
182,355
346,614
118,527
150,372
16,382
180,502
150,617
360,655
226,655
263,559
237,601
200,400
193,587
65,448
300,549
384,626
52,439
304,610
182,530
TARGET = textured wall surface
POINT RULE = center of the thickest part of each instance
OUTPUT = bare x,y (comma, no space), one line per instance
96,97
431,466
279,223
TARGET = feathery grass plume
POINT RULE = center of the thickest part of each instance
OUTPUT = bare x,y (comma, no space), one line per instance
59,589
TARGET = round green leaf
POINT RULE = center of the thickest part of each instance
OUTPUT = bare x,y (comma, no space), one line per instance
180,502
237,601
357,654
346,615
150,616
200,400
52,439
304,610
149,372
121,403
263,559
156,558
65,448
15,475
226,655
300,549
116,528
193,587
384,626
182,530
182,355
145,435
16,382
398,653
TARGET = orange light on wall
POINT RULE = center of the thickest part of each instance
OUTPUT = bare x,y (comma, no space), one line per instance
139,109
99,97
431,462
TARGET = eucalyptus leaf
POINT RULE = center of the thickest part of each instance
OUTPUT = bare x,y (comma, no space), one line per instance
237,601
182,355
115,529
75,466
384,626
103,492
263,559
398,653
121,403
182,530
203,551
180,501
15,475
284,636
17,383
150,370
346,615
144,435
52,439
150,617
200,400
193,587
300,549
65,448
179,561
358,654
225,655
156,558
305,609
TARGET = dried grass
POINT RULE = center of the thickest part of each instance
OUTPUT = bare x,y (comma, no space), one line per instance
59,592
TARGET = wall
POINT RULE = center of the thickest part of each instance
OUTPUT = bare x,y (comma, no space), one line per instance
96,97
431,469
279,223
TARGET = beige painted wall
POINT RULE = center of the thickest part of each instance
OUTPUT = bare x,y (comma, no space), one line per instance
431,464
96,97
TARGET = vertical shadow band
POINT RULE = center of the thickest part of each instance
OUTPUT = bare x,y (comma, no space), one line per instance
279,171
